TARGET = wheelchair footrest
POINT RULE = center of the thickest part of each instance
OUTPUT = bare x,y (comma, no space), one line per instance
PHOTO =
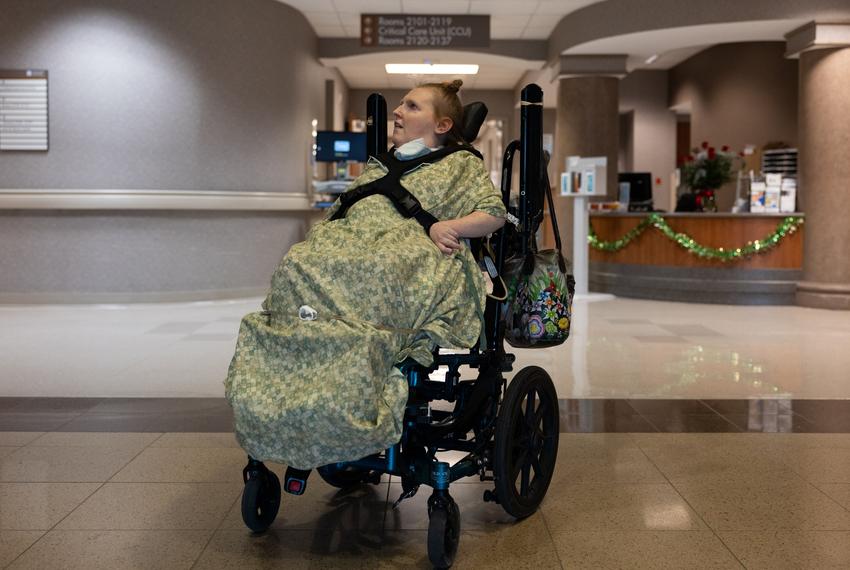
295,482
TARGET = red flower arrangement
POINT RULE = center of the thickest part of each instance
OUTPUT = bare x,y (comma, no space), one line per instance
707,169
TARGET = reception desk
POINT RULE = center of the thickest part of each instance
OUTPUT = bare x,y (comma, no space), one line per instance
654,266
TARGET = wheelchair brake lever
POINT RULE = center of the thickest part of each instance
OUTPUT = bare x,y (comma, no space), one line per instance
405,495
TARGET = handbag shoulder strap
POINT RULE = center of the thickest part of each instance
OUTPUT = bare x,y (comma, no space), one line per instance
561,263
552,216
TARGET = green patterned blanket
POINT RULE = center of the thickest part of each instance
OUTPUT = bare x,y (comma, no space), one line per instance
312,392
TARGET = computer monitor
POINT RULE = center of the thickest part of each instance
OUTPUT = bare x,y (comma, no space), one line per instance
338,146
639,189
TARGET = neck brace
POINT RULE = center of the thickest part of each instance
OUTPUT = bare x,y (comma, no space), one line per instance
413,149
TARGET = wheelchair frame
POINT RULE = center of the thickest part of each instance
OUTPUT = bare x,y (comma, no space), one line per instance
480,404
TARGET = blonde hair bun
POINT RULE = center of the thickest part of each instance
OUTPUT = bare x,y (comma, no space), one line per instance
453,86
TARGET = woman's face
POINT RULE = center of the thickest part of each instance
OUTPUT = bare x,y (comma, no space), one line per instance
414,118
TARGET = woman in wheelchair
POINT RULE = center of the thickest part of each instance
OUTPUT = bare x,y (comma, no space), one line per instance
314,377
333,372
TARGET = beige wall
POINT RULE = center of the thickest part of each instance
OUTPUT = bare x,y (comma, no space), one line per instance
739,94
151,95
189,95
651,144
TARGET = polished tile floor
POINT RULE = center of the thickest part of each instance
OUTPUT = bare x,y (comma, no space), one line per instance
619,348
694,436
171,500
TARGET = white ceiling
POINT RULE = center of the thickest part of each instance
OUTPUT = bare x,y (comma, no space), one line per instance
366,71
675,45
511,20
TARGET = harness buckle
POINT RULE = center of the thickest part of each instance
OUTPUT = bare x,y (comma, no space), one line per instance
414,209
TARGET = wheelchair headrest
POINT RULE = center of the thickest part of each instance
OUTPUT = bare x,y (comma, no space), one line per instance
473,117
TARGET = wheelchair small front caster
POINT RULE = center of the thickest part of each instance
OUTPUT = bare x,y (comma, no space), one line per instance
443,529
260,497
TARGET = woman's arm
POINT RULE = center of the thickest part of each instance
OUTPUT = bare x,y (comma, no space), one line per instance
447,234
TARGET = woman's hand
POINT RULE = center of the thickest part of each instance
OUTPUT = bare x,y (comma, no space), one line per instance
447,234
446,237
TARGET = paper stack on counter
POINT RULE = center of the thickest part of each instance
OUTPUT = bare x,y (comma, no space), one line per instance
772,192
757,197
788,195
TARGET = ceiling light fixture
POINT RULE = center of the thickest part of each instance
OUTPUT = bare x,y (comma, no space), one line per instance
651,59
431,68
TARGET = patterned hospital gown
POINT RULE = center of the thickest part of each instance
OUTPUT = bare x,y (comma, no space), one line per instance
312,392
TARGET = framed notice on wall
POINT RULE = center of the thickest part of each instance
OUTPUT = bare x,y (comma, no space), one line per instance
23,110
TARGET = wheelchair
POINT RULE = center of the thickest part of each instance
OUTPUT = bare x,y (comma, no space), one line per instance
507,430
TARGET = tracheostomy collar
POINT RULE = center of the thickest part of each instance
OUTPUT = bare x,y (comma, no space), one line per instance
413,149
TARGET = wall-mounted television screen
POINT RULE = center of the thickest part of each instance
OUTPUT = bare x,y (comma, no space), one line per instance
339,146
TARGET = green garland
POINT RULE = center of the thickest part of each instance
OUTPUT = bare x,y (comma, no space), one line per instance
786,227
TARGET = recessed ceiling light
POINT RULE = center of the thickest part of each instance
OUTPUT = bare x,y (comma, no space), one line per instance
651,59
432,68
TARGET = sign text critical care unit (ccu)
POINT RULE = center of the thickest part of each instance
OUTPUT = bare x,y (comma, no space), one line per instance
424,31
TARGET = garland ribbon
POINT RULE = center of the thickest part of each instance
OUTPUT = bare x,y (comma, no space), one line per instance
786,227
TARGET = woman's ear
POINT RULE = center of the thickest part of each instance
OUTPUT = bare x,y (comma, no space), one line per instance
443,126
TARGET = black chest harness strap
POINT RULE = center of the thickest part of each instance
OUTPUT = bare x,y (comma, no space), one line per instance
390,186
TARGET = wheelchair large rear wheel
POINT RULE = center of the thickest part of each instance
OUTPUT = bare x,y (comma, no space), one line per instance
526,443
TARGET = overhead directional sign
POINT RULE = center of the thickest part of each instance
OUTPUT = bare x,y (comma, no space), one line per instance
23,109
424,31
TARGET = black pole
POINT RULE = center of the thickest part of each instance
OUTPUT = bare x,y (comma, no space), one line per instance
376,124
493,307
531,161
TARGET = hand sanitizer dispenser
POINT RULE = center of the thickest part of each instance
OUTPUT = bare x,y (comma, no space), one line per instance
585,177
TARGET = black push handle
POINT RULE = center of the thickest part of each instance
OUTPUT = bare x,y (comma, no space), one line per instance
531,158
376,125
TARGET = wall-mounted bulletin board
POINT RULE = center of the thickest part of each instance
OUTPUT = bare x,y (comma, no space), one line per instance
23,109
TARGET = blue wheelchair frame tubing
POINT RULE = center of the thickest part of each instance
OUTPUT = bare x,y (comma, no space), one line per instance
440,474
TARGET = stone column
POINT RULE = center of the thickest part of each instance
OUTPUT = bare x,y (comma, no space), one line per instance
587,122
824,167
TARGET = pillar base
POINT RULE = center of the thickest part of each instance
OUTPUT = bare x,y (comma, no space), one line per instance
823,295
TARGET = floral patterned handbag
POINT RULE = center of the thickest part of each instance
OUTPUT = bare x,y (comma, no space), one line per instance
540,294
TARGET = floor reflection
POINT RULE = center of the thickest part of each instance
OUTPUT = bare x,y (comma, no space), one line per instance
623,348
354,522
773,415
770,416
